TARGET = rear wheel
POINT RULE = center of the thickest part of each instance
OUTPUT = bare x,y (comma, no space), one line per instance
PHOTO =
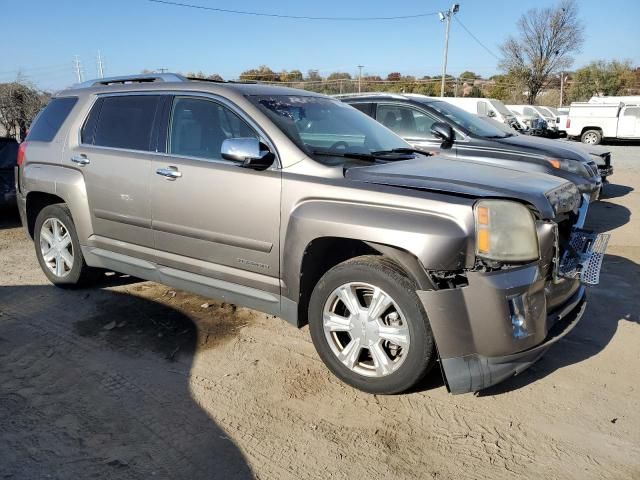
58,248
369,327
591,137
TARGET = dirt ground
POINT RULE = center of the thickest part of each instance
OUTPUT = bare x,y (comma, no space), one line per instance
134,380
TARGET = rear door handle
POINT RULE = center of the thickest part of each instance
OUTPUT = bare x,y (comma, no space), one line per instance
170,173
80,159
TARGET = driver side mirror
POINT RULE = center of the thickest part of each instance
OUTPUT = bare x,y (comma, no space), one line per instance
491,114
249,151
444,132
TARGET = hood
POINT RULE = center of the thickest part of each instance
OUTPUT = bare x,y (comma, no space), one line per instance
462,177
546,146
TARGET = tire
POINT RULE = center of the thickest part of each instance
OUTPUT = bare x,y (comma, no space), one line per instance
591,137
78,273
359,278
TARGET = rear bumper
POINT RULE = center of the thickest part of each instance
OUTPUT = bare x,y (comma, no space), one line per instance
499,324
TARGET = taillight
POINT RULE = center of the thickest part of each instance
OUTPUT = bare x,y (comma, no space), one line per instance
568,122
21,150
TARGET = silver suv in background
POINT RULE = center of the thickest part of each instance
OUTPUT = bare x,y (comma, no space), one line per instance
298,205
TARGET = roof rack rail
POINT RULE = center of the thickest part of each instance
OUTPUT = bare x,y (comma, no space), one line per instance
141,78
370,94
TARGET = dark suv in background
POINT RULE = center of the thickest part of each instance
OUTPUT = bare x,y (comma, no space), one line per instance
8,156
467,136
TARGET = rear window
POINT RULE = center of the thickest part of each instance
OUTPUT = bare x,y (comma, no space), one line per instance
50,119
126,121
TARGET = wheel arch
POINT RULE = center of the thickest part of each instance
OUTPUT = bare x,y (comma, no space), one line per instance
321,235
48,184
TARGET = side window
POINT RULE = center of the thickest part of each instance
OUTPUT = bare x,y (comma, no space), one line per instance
406,121
199,126
530,112
482,108
632,112
126,121
48,122
364,107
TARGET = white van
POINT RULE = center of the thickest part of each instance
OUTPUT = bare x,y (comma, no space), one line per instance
592,122
485,107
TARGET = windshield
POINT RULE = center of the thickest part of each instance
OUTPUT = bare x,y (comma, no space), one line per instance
323,125
499,106
553,110
545,112
468,121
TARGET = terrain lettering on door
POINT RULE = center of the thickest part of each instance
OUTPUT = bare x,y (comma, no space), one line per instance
251,263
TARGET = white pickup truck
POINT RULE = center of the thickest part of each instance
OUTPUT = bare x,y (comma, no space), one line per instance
592,122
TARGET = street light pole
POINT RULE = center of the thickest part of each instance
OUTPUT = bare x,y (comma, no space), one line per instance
360,67
446,17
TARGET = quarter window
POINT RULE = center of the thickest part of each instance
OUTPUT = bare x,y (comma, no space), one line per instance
49,121
407,122
126,121
199,126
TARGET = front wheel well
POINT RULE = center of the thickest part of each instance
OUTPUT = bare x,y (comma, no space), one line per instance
322,254
36,201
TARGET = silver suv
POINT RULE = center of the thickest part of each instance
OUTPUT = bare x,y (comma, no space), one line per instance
298,205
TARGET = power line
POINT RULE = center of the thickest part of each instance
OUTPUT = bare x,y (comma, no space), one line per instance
476,38
297,17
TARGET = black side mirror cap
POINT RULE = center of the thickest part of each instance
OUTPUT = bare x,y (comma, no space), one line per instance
444,132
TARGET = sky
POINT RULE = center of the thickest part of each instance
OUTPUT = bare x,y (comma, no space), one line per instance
45,36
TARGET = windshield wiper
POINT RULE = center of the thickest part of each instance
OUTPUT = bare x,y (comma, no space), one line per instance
359,156
406,150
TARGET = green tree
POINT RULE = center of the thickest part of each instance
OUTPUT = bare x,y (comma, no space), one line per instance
601,78
468,75
260,74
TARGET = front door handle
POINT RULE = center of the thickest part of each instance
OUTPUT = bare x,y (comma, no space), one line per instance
80,159
170,173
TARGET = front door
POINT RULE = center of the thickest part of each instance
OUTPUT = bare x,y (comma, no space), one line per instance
629,122
213,217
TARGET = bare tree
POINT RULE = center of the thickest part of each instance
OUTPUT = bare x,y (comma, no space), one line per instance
19,104
547,39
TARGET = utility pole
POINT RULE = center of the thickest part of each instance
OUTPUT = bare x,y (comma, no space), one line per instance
360,67
562,80
78,68
446,17
100,66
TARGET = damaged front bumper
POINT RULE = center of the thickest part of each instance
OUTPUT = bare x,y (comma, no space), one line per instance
503,321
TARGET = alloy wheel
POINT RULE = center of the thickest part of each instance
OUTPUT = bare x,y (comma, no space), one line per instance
56,247
366,329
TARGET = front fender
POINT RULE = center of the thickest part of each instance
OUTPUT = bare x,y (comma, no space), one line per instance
65,183
440,241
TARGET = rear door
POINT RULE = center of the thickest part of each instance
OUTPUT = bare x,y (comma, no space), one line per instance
629,123
115,153
412,124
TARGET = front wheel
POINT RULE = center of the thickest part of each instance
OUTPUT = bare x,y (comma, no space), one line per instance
58,248
369,327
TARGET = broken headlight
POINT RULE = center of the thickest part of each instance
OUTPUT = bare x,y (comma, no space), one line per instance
565,198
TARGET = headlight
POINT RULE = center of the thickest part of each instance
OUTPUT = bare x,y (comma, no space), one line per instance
573,166
505,231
